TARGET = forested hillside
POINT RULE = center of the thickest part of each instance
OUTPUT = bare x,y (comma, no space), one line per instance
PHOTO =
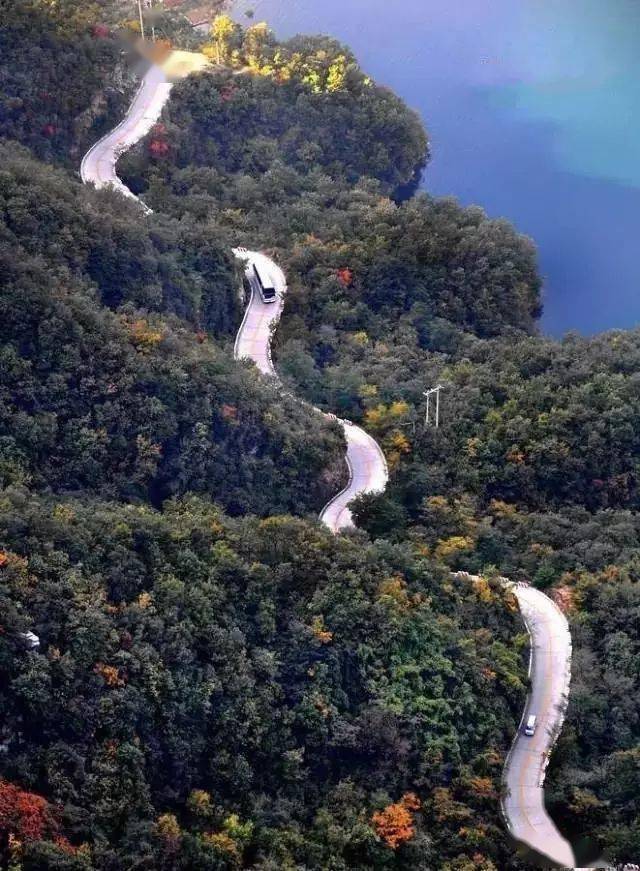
534,469
208,692
125,402
596,776
217,693
64,78
357,258
220,685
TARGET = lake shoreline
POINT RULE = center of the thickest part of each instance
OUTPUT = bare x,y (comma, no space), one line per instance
479,84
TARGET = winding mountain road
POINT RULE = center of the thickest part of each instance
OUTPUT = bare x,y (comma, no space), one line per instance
367,465
99,163
523,802
550,674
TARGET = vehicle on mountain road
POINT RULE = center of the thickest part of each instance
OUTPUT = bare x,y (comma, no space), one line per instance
265,284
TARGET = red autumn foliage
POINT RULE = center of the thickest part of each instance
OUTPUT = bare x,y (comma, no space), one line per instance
159,148
24,814
201,336
99,31
49,130
229,412
345,276
227,92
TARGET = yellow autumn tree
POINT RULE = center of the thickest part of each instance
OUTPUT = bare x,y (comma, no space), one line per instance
448,548
383,417
222,30
143,335
395,446
222,843
393,591
320,632
337,74
256,39
199,803
167,828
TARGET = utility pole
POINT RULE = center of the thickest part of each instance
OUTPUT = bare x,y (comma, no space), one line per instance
149,5
141,19
428,394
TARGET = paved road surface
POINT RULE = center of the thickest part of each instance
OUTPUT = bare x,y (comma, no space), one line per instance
99,163
367,466
260,318
368,474
551,651
525,770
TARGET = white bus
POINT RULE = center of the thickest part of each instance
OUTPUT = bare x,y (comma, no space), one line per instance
265,284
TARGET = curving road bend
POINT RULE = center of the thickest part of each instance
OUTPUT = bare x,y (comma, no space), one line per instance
260,318
367,465
367,474
525,769
99,163
524,772
523,803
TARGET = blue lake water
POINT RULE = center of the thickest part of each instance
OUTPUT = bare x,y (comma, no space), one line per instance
533,108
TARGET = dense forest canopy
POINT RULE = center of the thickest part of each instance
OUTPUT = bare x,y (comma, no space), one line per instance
224,158
64,79
596,780
220,692
252,122
123,401
220,685
534,469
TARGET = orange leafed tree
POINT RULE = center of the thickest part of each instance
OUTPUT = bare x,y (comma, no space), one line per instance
394,824
110,674
345,276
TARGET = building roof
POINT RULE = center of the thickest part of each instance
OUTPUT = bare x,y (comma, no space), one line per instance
199,16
